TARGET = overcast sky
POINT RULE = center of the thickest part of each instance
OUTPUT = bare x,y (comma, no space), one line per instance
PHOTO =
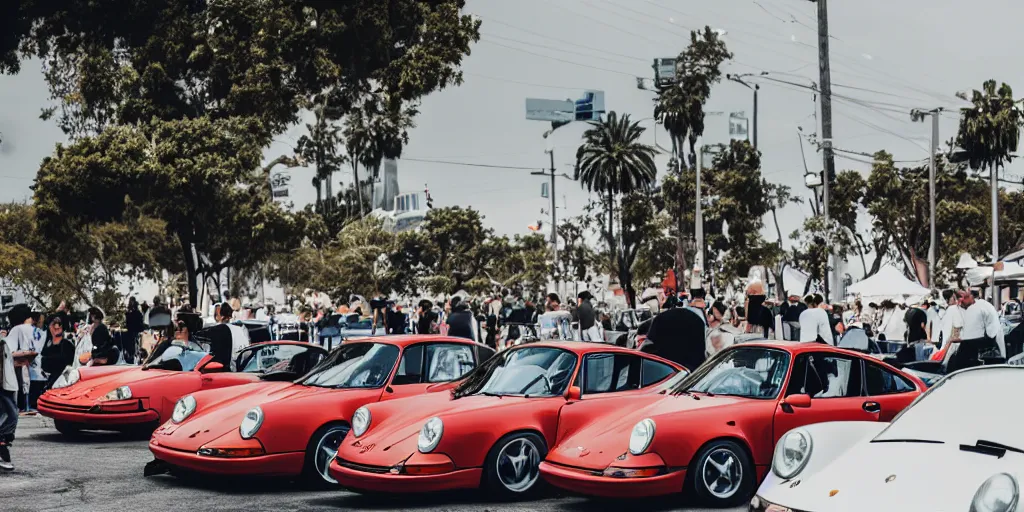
894,55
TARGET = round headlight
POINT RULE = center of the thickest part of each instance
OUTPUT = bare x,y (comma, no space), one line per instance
792,453
360,421
121,393
641,437
251,423
998,494
66,379
430,435
183,409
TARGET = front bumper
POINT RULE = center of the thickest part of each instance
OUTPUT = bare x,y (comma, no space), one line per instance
276,464
101,414
587,482
375,479
759,504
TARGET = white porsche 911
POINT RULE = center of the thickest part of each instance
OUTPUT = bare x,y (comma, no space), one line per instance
959,447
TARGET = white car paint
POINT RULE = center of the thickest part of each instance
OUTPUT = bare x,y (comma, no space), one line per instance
869,466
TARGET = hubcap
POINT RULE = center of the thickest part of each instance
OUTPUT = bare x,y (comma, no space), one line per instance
326,450
518,465
722,473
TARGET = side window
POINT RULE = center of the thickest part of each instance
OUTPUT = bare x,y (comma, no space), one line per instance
410,368
798,378
446,362
655,372
832,376
483,353
880,381
608,373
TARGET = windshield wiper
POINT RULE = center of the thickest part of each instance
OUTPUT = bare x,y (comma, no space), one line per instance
490,393
990,448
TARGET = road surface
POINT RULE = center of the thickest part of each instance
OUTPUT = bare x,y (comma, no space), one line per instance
103,472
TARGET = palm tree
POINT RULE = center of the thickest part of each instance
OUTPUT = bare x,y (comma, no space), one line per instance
357,143
988,137
612,161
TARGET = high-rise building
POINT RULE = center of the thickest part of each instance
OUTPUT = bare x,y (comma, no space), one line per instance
387,190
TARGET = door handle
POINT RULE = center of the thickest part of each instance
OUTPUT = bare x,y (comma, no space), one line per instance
872,407
207,379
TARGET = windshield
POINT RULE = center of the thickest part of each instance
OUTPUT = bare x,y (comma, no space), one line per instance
356,365
965,408
530,371
751,372
176,355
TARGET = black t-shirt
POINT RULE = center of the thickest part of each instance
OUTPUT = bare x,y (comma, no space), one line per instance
460,324
915,332
586,315
219,338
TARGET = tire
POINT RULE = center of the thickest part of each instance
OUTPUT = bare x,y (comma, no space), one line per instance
722,475
320,451
512,467
140,432
68,428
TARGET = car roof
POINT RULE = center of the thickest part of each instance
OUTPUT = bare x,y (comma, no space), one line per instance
590,347
404,340
800,347
285,342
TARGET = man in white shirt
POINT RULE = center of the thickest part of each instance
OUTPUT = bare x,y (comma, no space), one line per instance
814,321
951,320
239,334
981,320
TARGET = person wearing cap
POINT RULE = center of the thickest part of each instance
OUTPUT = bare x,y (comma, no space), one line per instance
58,353
587,317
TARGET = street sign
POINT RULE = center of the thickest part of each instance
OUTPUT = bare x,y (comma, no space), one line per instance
739,126
664,72
544,190
279,185
588,108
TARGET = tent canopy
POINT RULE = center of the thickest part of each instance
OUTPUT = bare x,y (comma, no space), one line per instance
889,283
1011,272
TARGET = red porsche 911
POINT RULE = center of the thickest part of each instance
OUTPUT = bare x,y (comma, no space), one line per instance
138,399
294,429
713,433
495,427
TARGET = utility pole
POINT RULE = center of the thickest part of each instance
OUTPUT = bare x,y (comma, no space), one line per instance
698,228
826,124
554,218
919,115
739,79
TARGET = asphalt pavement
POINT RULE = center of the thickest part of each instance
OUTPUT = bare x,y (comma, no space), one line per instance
103,472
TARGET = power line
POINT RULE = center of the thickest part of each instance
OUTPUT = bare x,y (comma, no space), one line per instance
564,61
563,41
555,48
468,164
548,86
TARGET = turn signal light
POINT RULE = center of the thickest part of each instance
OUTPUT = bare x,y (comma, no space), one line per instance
614,472
429,469
230,452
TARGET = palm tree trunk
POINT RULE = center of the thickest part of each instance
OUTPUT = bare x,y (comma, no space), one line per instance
319,197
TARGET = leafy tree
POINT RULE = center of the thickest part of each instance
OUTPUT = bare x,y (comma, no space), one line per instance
320,146
523,263
988,136
576,259
458,237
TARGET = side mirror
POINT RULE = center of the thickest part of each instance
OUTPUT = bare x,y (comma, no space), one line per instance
800,401
212,367
574,393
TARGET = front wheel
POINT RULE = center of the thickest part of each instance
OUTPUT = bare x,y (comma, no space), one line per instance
722,474
320,452
512,468
68,428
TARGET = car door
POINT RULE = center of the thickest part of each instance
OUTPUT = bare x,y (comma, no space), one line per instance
890,390
425,364
253,363
606,374
833,384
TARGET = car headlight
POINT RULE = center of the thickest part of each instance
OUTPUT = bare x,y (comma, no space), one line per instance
121,393
641,437
998,494
67,379
251,423
792,453
183,409
430,435
360,421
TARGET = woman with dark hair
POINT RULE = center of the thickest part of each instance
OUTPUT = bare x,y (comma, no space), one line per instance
133,327
58,353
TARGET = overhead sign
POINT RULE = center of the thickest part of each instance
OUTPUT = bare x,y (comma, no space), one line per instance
664,72
739,126
279,189
588,108
544,190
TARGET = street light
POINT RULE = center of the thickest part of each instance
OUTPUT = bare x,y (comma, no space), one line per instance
739,79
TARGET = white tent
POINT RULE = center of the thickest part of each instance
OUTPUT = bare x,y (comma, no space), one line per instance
1011,272
889,283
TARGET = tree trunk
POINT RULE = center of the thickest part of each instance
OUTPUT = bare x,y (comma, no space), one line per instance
190,271
359,187
329,192
373,188
319,198
778,230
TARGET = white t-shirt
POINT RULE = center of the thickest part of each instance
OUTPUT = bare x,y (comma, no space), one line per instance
980,320
932,325
239,338
950,318
24,338
814,322
893,324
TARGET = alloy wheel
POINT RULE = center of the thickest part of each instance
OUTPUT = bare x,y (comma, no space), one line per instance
327,450
722,473
518,465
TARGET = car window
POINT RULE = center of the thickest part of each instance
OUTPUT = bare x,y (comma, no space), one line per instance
654,372
354,365
448,361
272,358
608,373
751,372
410,368
880,381
825,376
527,370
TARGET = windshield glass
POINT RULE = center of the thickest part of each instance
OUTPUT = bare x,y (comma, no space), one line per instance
176,355
356,365
964,408
532,371
751,372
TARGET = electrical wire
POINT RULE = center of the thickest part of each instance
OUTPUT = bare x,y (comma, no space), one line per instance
564,61
555,48
468,164
563,41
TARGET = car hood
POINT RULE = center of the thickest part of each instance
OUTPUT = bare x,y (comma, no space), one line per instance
873,476
604,436
396,432
288,409
95,385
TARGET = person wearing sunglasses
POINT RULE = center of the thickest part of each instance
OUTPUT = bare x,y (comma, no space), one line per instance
58,352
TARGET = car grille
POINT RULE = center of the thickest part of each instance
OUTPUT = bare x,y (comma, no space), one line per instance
65,407
379,470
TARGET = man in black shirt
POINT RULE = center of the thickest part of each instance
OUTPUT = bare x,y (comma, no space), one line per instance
587,317
460,321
